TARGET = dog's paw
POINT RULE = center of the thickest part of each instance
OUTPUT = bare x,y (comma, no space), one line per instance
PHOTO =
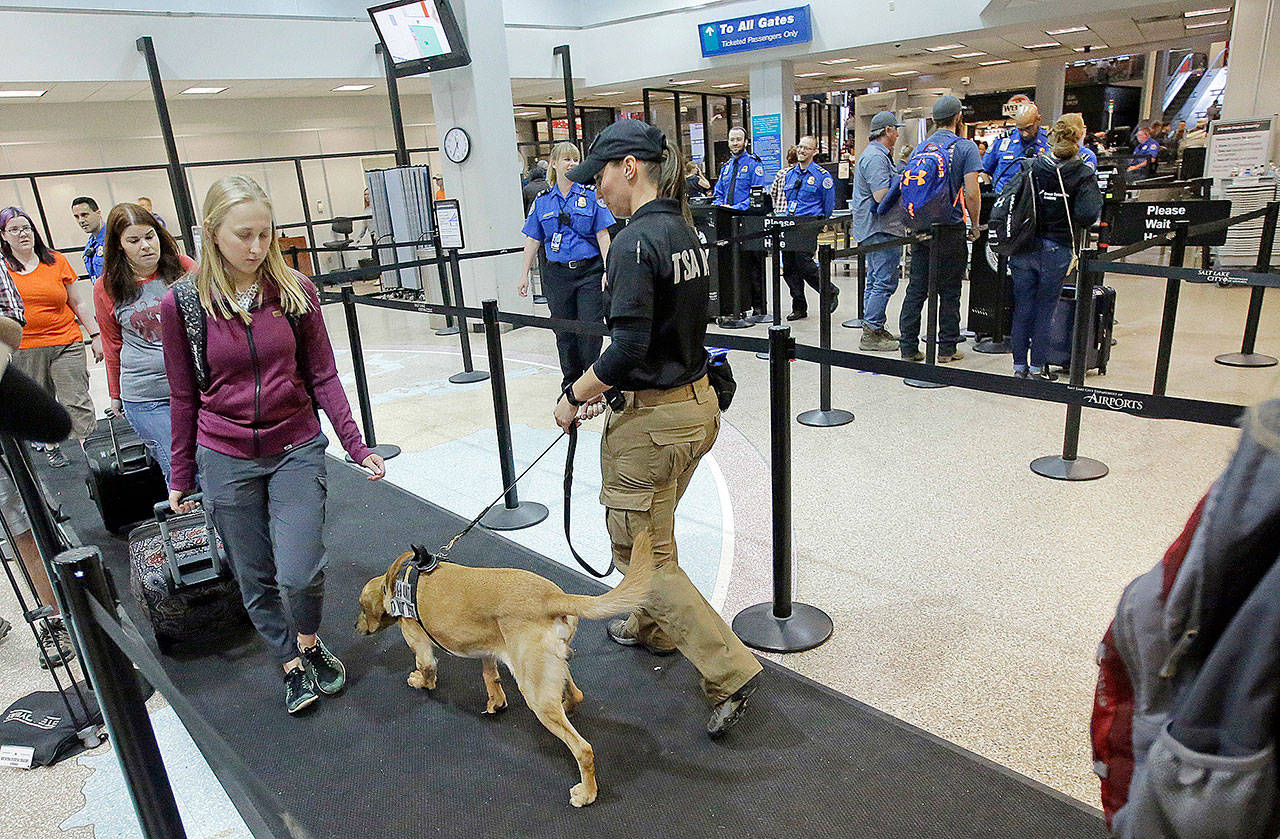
424,681
496,706
580,796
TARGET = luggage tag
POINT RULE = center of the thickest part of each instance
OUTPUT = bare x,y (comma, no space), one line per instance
555,241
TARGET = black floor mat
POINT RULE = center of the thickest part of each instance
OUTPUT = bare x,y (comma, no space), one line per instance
386,760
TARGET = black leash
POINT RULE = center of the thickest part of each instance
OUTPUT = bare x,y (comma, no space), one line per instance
568,495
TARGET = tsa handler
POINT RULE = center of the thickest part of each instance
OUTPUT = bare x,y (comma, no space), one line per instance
572,224
658,282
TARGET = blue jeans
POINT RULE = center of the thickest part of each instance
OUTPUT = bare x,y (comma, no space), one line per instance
882,280
151,421
1037,284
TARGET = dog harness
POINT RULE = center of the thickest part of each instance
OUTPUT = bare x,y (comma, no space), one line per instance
404,592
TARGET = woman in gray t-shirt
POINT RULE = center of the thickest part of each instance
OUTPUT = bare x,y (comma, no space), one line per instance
142,261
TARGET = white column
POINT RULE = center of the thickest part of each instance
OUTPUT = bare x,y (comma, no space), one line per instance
477,98
773,92
1150,79
1051,82
1254,63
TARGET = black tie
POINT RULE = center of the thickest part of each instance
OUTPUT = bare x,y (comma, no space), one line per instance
733,179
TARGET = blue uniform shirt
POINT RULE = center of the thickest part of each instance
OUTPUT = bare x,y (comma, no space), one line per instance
573,241
1002,160
1087,155
94,252
811,191
747,170
1150,150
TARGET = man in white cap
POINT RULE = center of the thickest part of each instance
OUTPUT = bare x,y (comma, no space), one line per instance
873,177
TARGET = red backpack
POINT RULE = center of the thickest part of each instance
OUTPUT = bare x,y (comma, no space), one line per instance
1111,728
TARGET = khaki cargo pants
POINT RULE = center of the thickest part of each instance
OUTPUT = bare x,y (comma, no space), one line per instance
647,457
63,372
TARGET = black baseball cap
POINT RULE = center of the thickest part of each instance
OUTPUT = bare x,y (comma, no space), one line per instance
624,137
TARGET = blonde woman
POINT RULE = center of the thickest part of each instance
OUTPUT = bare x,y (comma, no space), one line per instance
244,408
572,225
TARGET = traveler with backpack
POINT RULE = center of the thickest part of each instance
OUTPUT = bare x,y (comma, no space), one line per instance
873,179
939,186
1066,197
250,365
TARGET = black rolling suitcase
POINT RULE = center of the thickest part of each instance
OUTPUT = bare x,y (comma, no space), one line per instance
1098,344
182,578
124,480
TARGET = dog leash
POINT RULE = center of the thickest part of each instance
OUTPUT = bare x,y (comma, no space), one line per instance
568,496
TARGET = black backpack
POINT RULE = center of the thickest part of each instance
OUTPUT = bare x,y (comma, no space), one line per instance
1012,226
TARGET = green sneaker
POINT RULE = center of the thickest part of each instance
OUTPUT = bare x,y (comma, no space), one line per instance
326,672
299,689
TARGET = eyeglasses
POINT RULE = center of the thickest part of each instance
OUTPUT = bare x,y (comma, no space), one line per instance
18,231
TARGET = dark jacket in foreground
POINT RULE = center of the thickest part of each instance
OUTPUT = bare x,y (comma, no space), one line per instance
1082,196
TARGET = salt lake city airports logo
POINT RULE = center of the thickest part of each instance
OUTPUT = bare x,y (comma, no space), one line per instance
1114,401
25,717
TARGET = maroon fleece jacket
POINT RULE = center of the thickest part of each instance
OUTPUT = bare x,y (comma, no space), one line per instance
257,404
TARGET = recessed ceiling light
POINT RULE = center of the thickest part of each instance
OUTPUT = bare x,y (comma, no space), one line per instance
1203,12
203,90
637,102
973,54
870,66
895,90
528,114
689,81
1067,31
809,75
611,93
945,47
22,94
838,61
1207,24
555,101
905,73
1043,46
1091,48
848,80
351,88
993,63
727,86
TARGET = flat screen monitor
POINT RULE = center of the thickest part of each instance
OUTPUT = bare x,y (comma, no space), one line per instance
420,36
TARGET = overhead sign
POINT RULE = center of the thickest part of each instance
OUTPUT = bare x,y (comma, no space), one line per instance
1238,145
1134,221
756,32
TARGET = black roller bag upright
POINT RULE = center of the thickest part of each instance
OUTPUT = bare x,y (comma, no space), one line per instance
124,481
179,572
1098,342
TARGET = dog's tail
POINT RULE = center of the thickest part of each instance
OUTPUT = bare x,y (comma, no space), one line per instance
629,595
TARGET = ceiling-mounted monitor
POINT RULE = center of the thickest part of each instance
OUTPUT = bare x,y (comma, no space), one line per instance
420,36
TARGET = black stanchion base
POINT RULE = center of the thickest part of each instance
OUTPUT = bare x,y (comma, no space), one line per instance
735,323
808,627
1080,469
763,354
990,347
921,383
825,419
539,299
853,323
386,451
1246,359
448,330
467,377
968,334
525,514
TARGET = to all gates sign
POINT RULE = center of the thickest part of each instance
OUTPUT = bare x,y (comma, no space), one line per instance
755,32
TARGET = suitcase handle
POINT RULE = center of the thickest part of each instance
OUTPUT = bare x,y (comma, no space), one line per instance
163,511
115,444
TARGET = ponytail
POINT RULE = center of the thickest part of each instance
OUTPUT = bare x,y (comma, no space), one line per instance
668,175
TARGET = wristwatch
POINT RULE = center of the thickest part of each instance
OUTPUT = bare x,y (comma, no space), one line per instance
568,394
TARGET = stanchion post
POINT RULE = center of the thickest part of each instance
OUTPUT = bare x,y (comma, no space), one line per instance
81,576
469,373
774,254
824,417
1172,289
781,626
999,342
735,319
514,514
1247,357
858,322
386,451
1069,466
931,309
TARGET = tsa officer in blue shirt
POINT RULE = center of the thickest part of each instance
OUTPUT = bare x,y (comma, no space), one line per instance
810,191
1025,140
1146,152
89,217
733,189
572,225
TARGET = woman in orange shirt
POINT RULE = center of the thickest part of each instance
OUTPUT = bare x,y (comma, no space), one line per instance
57,304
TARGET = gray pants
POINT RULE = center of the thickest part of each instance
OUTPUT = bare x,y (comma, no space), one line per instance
270,514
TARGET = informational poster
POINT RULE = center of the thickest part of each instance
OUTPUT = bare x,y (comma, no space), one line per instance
766,141
449,223
697,142
1237,145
